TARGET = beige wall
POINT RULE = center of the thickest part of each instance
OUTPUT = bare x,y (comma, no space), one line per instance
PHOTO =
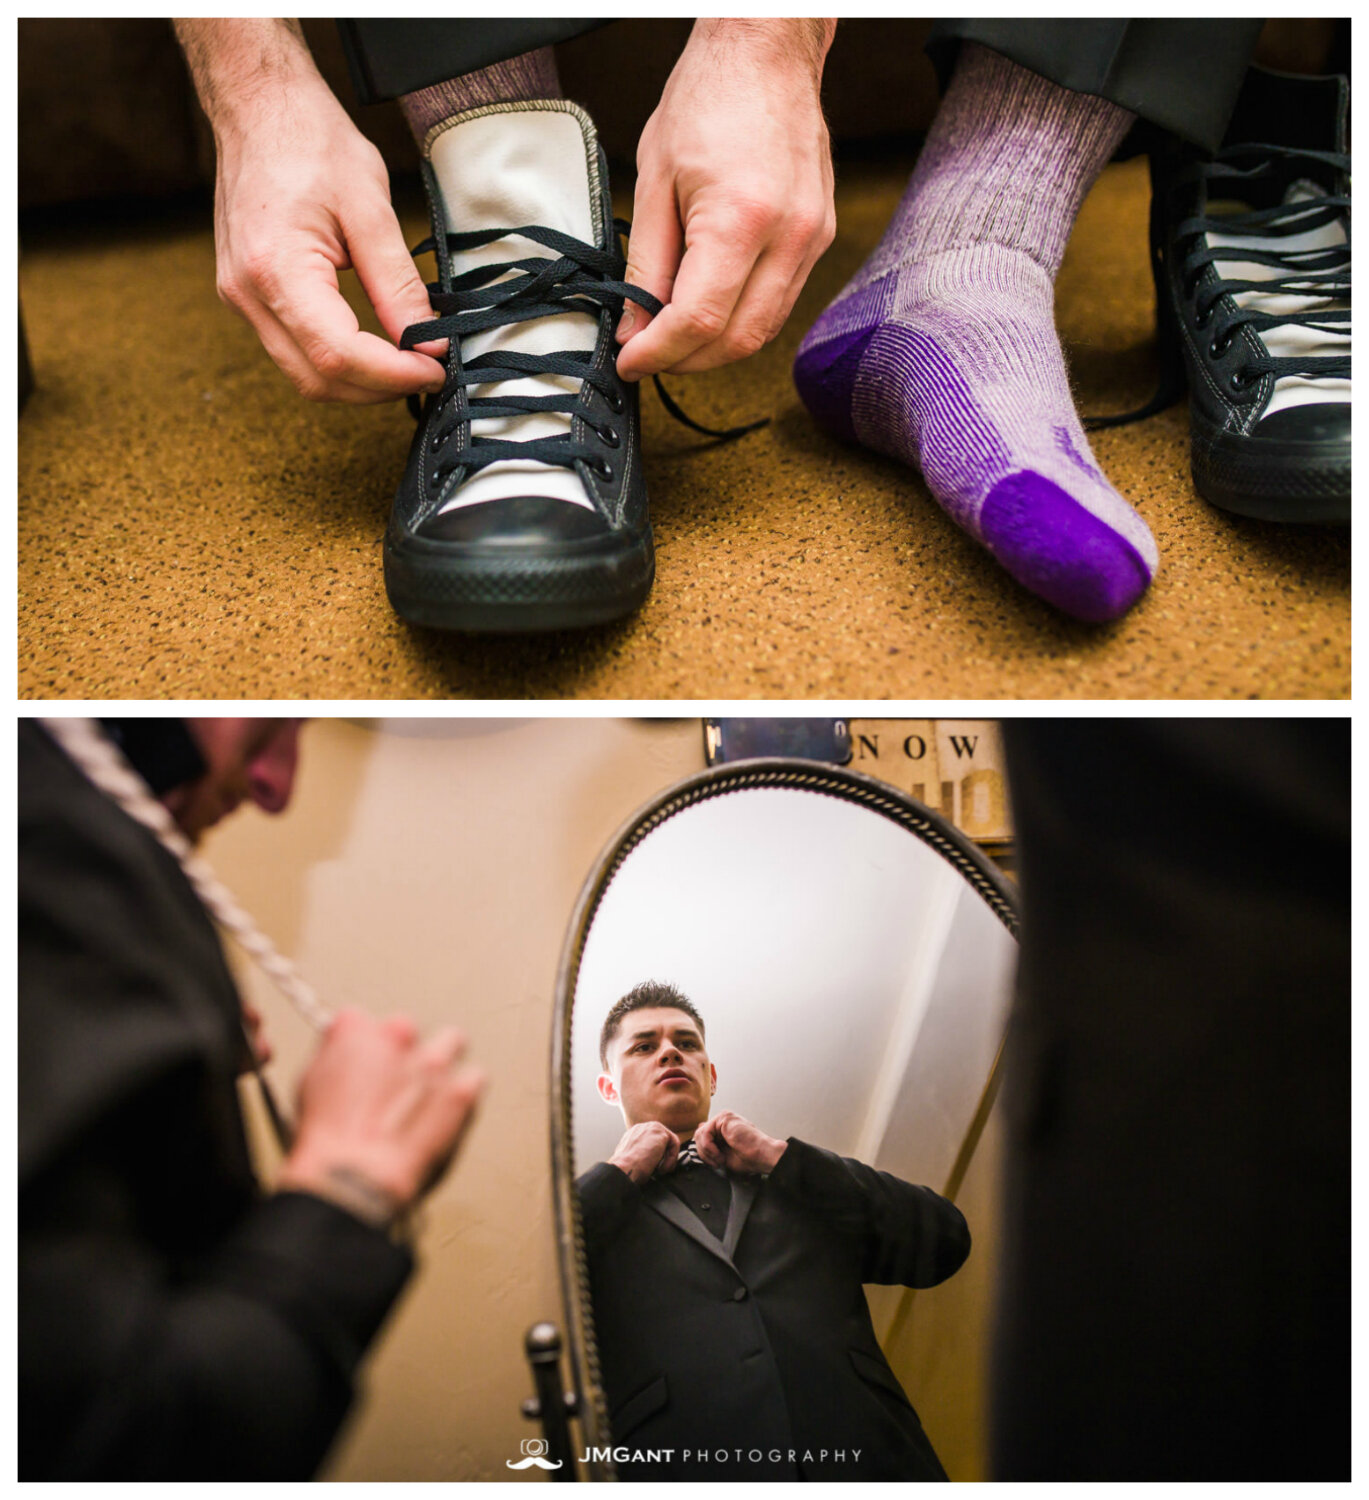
431,867
939,1349
434,871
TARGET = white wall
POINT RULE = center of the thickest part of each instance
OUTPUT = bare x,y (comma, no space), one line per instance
813,936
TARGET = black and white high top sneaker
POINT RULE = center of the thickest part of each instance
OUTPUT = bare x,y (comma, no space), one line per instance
1251,252
522,506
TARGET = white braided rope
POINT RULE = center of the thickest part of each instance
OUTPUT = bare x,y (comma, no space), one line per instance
105,766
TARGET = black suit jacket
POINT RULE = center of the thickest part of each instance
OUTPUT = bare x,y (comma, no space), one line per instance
172,1323
1177,1225
760,1346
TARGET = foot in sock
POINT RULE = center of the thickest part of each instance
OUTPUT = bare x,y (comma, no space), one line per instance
942,350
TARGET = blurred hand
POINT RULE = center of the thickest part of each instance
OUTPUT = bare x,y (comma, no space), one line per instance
300,195
733,204
646,1149
382,1110
727,1140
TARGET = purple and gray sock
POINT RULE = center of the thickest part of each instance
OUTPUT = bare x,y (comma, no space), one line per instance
942,349
530,75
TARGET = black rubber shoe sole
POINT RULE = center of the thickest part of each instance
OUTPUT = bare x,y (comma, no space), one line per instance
1271,481
517,590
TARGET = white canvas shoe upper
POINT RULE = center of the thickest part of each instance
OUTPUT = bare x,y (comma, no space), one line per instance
1289,339
503,166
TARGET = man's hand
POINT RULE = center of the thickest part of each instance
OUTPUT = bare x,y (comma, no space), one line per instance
381,1114
300,195
733,204
646,1149
727,1140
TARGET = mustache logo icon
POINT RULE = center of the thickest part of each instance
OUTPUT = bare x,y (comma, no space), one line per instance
526,1463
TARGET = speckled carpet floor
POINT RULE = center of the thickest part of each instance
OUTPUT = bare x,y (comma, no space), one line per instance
189,528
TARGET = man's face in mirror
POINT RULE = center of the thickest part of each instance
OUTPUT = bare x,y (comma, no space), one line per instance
658,1069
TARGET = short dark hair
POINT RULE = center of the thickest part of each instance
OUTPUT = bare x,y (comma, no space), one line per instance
649,995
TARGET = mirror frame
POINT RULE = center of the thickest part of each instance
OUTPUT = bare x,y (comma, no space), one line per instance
719,781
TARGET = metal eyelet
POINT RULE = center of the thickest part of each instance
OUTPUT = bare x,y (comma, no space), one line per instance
1216,350
602,468
610,435
615,402
1237,381
1203,319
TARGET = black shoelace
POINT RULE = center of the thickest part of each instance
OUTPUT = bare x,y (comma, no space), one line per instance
1323,274
581,279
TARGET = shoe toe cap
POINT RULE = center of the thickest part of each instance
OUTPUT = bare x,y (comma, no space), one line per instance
517,521
1315,422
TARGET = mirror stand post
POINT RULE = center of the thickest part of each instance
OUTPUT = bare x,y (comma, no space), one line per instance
552,1405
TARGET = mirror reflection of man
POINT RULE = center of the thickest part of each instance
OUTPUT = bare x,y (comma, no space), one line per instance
174,1322
726,1270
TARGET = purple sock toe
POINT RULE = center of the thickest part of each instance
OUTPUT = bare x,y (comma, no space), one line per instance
1060,550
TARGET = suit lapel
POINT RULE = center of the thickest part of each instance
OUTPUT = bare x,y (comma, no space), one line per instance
660,1197
743,1196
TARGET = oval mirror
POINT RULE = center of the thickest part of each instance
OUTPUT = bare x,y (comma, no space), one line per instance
851,957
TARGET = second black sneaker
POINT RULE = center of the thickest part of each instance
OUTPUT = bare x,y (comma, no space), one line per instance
1251,254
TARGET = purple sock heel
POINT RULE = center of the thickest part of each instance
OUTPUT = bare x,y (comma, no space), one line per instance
825,375
828,361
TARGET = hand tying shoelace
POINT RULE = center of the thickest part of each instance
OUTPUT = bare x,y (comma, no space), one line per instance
505,293
523,504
